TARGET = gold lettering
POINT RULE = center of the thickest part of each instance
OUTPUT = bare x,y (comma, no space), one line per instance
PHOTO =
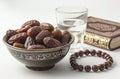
96,40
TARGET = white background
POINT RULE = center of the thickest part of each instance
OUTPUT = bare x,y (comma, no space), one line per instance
13,13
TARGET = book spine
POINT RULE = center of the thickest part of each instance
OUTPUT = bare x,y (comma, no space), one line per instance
97,40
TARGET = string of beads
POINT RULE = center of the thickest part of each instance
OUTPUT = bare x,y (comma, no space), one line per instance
88,68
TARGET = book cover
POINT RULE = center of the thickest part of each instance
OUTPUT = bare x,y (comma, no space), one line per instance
102,33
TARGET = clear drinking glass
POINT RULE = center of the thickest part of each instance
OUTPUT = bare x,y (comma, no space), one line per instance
74,20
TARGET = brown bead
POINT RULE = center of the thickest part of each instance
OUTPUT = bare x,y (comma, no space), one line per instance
73,55
72,64
81,53
72,58
80,68
107,56
101,67
87,52
87,68
111,60
110,57
99,53
76,54
103,55
110,63
72,61
75,66
95,68
106,65
93,52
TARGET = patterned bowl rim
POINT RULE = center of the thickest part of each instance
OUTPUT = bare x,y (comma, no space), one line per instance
38,50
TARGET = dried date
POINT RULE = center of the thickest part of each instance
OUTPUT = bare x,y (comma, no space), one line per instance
44,33
33,31
24,29
51,42
34,35
31,23
10,33
29,41
66,37
17,37
46,26
57,34
20,45
36,47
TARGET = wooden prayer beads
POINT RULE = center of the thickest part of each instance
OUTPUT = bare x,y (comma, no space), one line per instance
88,68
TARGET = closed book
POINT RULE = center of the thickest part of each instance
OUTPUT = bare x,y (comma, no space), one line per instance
102,33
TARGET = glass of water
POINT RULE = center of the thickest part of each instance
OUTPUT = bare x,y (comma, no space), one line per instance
74,20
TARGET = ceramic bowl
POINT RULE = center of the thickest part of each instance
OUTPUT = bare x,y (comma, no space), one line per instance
41,59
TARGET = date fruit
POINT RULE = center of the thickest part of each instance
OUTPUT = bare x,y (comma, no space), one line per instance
31,23
33,31
24,29
36,35
66,37
44,33
20,45
57,34
36,47
29,41
51,42
10,33
17,37
46,26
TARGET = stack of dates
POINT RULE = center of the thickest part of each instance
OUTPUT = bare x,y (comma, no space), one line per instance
36,35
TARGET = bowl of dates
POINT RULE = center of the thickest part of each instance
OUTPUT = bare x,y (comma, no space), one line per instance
39,46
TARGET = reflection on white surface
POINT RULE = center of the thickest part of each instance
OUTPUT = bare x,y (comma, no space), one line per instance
15,12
